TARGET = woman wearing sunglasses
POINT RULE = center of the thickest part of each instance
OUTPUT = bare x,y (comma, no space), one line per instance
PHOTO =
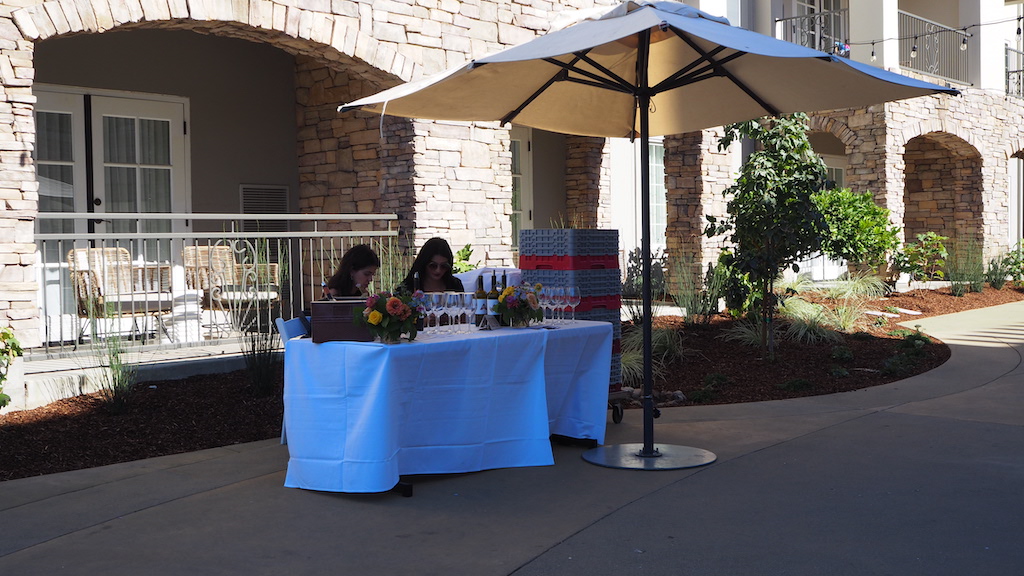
434,266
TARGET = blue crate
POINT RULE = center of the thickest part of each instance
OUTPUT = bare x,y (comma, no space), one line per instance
568,242
590,282
615,377
604,315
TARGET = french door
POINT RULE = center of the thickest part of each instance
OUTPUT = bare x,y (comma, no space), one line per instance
112,153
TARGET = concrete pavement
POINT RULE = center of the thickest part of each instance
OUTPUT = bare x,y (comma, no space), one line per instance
921,476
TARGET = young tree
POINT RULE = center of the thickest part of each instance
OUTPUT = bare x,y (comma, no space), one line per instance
773,221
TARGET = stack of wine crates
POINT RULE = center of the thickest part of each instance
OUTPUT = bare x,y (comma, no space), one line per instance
589,260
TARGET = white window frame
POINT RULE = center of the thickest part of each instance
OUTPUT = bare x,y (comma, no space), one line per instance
523,177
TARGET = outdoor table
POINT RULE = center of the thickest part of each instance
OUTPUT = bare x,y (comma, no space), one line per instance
360,414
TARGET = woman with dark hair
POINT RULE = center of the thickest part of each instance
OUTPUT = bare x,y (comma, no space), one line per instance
355,273
434,266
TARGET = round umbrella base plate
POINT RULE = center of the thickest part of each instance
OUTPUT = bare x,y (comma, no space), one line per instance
665,457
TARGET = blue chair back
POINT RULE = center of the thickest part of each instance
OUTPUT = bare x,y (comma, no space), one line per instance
289,329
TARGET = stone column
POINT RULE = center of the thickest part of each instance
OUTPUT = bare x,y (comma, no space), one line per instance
586,171
696,177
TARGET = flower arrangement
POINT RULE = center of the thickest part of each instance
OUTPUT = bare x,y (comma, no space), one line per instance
519,305
388,315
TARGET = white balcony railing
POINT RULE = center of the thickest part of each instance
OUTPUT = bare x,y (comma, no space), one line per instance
825,31
172,289
932,48
1014,72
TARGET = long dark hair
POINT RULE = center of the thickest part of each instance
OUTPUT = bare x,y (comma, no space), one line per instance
431,248
356,258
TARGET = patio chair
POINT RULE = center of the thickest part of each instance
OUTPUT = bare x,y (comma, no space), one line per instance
109,285
242,293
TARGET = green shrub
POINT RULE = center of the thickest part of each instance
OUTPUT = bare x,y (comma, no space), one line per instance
10,348
924,259
858,229
698,298
997,272
838,372
858,286
966,267
842,353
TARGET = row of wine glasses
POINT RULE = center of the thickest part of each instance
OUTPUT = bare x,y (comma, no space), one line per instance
459,307
456,306
556,299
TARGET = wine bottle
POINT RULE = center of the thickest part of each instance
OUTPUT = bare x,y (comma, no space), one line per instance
415,281
480,300
492,297
504,280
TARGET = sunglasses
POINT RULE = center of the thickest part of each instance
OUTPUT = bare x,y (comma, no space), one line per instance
439,266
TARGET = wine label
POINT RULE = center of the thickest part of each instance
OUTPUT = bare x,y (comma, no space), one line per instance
480,306
491,306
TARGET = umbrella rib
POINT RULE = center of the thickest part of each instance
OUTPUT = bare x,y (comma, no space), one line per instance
611,81
688,70
721,71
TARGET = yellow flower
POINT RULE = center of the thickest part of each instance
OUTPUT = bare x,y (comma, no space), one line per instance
537,287
375,317
504,293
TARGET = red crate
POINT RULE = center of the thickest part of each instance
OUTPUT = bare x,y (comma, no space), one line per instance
589,303
616,387
616,346
532,262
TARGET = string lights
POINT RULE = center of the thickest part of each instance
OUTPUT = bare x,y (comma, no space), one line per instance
963,31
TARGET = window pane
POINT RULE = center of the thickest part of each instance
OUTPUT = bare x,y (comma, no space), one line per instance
118,140
516,150
56,188
53,137
657,198
155,142
120,189
156,190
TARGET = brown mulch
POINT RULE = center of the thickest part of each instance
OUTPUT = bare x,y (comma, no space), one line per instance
208,411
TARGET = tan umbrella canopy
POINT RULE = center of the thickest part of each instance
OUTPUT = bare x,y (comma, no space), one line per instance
699,72
644,69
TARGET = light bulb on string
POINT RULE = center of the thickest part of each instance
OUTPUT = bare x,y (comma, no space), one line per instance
873,57
963,43
913,50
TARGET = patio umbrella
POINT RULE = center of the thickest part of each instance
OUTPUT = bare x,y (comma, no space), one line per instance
642,69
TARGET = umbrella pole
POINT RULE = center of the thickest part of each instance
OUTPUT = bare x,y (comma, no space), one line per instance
648,449
647,456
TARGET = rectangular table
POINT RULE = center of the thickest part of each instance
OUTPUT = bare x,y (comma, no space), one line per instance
360,414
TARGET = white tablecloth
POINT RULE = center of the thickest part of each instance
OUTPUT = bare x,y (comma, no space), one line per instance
360,414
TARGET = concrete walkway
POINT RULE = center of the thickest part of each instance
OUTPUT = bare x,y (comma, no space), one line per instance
920,477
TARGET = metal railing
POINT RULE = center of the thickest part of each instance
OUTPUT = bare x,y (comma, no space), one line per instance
825,31
1014,72
932,48
190,288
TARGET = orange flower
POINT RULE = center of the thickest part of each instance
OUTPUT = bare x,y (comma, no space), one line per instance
394,306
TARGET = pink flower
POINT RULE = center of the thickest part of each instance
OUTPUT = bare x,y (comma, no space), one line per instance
531,299
371,302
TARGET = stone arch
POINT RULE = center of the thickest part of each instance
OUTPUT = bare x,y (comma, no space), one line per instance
943,188
941,126
835,127
329,36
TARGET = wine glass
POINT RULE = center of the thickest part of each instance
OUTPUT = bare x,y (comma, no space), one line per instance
573,299
437,302
453,304
469,308
544,297
557,302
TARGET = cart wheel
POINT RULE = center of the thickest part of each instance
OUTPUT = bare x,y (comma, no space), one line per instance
617,412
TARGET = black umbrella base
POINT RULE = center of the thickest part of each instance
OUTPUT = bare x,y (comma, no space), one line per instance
665,457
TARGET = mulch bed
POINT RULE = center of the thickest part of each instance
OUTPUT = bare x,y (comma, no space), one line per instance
207,411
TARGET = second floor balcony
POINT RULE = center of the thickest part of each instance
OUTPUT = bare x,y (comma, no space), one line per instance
925,46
